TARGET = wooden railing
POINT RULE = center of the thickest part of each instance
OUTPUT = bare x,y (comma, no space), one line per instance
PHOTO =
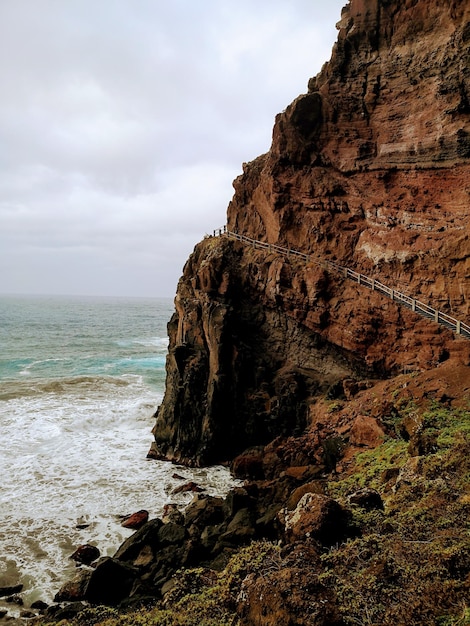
457,326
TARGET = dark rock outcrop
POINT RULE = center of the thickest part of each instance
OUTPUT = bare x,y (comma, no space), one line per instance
367,498
316,516
85,554
110,582
74,590
10,590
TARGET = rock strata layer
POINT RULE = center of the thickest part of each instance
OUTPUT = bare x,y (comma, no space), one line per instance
370,168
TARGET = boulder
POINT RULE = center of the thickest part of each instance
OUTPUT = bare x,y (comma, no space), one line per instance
168,559
144,558
240,530
171,533
10,590
204,510
314,486
302,473
74,590
236,499
367,498
316,516
110,582
171,513
67,612
39,605
145,538
267,525
15,599
249,464
209,537
366,432
136,520
191,486
85,554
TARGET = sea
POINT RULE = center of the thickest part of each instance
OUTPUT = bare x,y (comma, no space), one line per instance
80,381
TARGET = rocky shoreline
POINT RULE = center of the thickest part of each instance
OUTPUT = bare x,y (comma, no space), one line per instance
307,498
206,534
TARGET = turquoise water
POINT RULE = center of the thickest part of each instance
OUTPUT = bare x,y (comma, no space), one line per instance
80,381
53,338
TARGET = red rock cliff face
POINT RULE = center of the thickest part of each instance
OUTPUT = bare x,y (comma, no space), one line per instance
370,169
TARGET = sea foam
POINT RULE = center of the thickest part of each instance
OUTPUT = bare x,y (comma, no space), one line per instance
76,430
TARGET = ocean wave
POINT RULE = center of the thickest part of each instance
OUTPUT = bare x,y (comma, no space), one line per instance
140,362
95,499
14,367
150,342
66,384
82,368
39,364
10,390
157,342
80,380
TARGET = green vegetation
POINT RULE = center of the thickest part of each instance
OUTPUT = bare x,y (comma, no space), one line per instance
200,597
411,563
371,467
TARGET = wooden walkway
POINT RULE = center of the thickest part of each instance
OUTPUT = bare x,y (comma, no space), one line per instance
457,326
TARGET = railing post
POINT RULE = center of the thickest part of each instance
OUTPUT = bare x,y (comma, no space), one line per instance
392,294
413,305
359,279
457,327
436,316
373,285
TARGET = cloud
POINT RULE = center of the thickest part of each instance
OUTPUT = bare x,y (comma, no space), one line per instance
123,124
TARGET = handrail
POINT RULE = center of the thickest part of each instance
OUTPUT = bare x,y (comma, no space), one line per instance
457,326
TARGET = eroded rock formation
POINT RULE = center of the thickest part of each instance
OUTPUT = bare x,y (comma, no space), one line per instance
370,168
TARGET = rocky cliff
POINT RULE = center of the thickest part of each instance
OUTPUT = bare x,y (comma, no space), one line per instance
355,502
370,168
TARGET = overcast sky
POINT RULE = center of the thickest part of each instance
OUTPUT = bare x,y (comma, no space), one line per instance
124,122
